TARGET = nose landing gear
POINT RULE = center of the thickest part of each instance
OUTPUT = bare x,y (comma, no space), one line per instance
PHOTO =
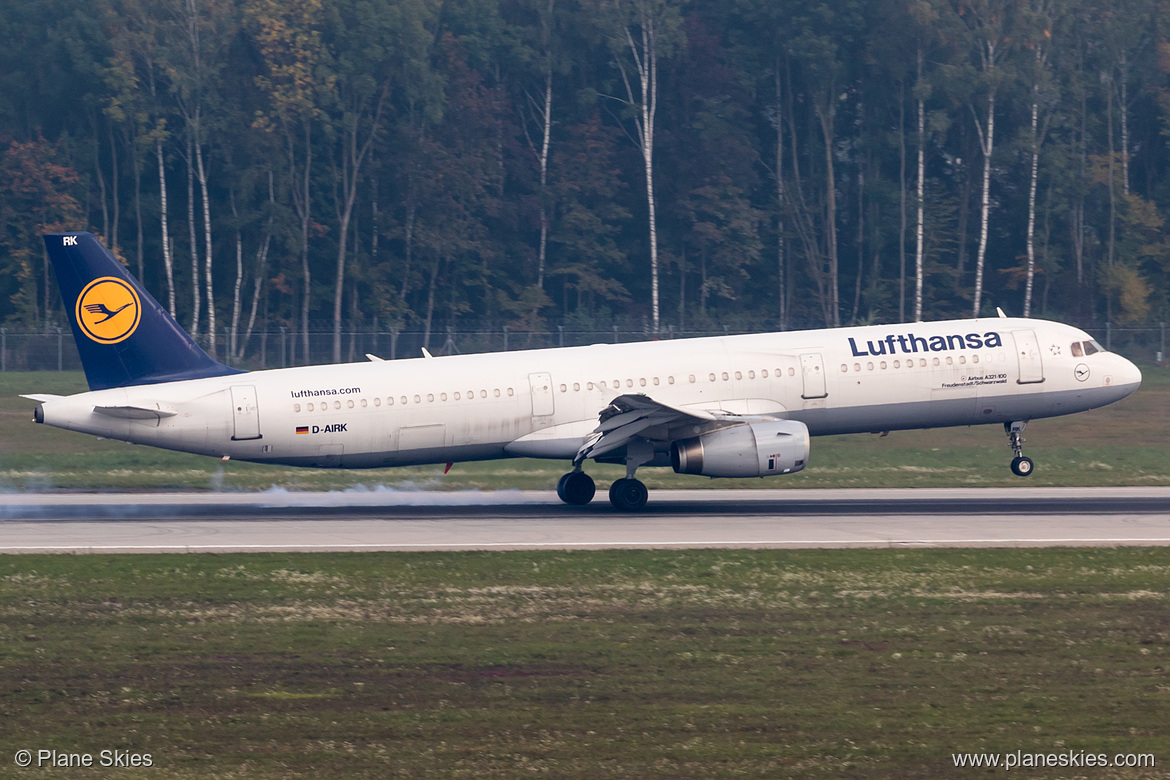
1021,466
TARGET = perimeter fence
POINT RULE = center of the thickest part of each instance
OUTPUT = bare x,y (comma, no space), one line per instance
52,349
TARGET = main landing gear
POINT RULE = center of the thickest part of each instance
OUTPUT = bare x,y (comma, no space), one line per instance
627,494
1021,466
576,488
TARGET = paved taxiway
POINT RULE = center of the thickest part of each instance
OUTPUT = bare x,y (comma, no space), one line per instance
502,520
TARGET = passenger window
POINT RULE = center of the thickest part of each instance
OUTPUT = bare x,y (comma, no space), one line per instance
950,361
656,381
337,404
576,387
349,403
882,365
791,371
692,379
711,377
296,407
511,392
844,368
897,364
430,398
418,399
377,402
403,399
856,366
936,361
642,381
604,385
497,392
483,393
725,377
364,404
739,375
589,386
751,375
764,373
457,395
670,380
869,366
1076,349
564,388
974,358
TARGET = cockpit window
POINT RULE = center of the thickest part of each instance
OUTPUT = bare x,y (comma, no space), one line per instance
1076,349
1092,347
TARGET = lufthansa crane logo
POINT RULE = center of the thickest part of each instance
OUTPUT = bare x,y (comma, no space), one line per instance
108,310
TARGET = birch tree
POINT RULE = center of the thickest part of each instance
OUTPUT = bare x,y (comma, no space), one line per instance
646,32
988,24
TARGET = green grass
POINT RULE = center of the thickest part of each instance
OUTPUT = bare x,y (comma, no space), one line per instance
758,664
1122,444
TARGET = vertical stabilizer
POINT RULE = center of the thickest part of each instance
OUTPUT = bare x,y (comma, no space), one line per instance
125,337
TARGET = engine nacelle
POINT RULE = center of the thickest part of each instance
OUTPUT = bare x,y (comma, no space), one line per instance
751,450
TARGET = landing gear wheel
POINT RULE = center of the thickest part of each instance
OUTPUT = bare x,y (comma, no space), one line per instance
629,495
1022,466
576,488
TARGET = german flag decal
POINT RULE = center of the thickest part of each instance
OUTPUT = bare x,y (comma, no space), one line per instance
302,429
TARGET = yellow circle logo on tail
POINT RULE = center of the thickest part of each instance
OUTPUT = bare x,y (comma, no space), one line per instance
108,310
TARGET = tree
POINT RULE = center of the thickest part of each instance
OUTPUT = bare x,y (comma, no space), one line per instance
644,32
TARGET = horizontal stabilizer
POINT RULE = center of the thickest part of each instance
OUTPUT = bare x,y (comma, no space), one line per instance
41,397
135,412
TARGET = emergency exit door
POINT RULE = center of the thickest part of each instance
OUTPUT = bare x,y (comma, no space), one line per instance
812,368
1028,353
245,413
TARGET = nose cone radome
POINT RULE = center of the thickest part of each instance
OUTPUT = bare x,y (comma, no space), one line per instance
1126,376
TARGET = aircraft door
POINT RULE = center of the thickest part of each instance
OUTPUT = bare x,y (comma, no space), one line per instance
1028,353
812,368
245,413
542,394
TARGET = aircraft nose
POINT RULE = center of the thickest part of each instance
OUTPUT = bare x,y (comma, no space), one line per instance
1127,375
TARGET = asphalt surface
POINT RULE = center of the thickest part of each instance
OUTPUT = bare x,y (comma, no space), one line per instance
500,520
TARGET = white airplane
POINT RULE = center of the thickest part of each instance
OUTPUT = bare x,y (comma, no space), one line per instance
734,406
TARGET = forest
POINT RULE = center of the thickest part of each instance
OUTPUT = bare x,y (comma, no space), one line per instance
666,165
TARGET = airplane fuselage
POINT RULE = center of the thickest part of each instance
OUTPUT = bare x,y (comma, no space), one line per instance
544,403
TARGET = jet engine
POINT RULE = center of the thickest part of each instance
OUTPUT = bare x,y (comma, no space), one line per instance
749,450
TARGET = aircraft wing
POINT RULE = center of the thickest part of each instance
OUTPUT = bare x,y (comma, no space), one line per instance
628,416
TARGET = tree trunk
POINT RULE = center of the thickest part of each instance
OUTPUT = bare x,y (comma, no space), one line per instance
544,144
206,244
902,202
919,275
781,268
826,119
987,143
195,292
138,251
168,259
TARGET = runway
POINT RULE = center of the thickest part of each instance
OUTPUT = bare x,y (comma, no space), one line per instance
281,521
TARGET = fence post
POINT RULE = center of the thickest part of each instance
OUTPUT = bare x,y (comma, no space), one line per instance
615,334
560,335
3,349
1109,336
60,347
505,338
283,347
1162,325
394,343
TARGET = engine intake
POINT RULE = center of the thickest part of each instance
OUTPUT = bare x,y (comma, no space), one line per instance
751,450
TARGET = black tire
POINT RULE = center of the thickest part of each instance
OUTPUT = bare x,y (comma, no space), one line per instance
628,495
576,488
1023,467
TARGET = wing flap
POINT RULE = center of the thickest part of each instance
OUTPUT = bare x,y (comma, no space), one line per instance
627,416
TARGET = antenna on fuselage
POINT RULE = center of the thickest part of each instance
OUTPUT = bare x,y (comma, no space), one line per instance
999,311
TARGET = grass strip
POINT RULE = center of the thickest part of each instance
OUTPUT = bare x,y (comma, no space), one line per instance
622,664
1122,444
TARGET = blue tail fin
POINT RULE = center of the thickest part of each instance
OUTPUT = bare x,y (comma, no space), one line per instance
125,337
